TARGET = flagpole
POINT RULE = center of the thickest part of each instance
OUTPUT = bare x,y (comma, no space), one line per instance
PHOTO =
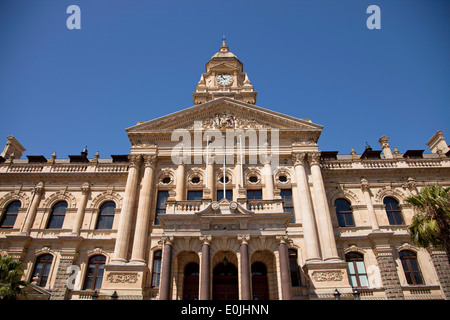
207,160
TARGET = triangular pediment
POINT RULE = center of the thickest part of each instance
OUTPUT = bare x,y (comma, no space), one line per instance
224,113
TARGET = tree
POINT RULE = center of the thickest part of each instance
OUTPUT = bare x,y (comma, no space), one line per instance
431,223
10,278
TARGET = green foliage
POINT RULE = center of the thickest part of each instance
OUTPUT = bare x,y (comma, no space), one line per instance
11,273
431,223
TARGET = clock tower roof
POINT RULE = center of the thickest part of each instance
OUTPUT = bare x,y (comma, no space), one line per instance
224,51
224,77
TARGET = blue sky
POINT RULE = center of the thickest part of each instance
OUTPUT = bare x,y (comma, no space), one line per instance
62,89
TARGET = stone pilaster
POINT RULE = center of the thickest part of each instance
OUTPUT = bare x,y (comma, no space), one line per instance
442,267
372,216
31,212
85,190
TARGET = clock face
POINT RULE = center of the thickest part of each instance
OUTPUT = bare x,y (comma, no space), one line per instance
224,79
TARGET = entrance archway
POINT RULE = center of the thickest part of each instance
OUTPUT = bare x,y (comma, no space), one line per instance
260,285
225,281
190,283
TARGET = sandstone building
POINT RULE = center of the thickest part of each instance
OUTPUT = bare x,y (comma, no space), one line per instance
169,220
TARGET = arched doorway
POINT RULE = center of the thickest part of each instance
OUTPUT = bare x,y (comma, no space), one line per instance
225,281
190,283
260,285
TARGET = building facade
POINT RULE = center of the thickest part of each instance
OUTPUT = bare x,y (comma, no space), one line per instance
222,200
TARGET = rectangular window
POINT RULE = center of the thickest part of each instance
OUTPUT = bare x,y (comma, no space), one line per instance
288,204
254,194
156,272
161,204
228,195
195,195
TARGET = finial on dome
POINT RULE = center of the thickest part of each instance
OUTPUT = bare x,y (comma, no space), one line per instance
224,47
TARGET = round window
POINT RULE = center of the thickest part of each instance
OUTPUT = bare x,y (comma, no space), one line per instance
282,178
195,180
226,179
253,179
166,180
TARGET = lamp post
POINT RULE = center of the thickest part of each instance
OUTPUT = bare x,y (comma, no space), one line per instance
114,296
337,294
356,294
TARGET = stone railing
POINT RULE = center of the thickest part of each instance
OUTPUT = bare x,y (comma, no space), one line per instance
63,167
265,206
384,163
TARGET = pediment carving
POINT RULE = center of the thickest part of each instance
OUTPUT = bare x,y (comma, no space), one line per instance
224,113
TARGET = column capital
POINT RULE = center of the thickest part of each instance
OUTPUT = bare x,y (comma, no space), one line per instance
314,158
39,188
283,239
298,158
206,239
150,160
166,240
85,188
135,160
243,238
365,185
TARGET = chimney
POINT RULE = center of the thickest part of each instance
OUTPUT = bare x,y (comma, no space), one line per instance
385,146
12,147
436,142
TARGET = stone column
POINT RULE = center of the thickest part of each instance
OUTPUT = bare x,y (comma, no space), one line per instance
126,215
326,233
180,181
268,178
143,213
245,267
31,214
285,274
164,286
306,211
205,281
372,216
85,189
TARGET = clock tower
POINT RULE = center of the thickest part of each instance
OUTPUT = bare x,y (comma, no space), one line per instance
224,77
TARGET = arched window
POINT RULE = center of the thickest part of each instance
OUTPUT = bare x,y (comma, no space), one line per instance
356,270
393,211
411,267
94,274
10,215
106,215
156,270
42,269
57,215
344,213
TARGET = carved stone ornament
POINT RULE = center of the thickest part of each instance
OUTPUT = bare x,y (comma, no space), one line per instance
322,276
123,277
298,158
